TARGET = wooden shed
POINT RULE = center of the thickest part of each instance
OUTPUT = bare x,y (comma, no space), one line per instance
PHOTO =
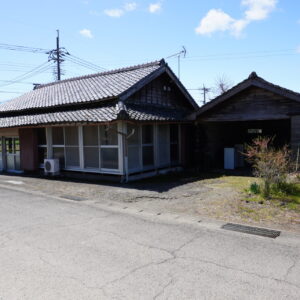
251,108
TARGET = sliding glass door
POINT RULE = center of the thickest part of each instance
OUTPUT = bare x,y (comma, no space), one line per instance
12,151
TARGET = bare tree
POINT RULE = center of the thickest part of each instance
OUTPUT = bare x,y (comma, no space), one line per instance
222,84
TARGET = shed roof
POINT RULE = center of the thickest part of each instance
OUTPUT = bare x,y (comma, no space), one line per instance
255,81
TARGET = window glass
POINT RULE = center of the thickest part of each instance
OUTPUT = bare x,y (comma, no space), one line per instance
174,133
163,145
42,154
72,157
174,143
174,153
109,158
59,153
41,136
16,145
133,157
147,134
71,136
57,136
134,138
109,134
17,162
91,157
90,136
148,158
9,145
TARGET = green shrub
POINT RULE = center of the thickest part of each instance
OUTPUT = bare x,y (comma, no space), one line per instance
270,164
285,188
254,188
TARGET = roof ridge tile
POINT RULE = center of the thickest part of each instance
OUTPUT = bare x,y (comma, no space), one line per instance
110,72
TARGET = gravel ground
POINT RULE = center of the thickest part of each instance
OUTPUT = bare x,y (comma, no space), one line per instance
182,194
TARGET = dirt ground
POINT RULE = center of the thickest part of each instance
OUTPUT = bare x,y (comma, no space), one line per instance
208,195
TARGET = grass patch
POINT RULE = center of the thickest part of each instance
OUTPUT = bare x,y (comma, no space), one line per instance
283,196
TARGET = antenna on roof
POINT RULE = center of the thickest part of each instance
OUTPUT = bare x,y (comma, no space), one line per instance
178,55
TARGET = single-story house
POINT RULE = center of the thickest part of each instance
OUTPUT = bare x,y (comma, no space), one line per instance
251,108
130,122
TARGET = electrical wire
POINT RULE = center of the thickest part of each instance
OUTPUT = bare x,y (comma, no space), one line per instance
87,62
83,63
264,52
23,48
10,92
37,70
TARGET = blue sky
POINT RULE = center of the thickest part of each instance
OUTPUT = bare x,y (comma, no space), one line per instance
223,38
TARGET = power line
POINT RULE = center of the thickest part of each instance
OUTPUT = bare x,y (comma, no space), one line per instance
22,82
232,57
57,55
10,92
83,64
87,62
23,48
37,70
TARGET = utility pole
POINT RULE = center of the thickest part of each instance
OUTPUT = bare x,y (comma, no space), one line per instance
204,91
58,55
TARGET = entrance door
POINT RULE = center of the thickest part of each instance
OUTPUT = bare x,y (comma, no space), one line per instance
12,152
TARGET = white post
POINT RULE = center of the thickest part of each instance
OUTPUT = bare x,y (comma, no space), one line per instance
49,142
80,144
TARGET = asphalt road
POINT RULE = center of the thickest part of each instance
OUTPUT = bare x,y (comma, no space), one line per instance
58,249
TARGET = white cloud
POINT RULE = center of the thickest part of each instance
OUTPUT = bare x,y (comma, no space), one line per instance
298,49
155,7
119,12
114,13
298,21
258,9
217,20
86,33
131,6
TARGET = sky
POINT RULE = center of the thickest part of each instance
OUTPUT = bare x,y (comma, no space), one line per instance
224,39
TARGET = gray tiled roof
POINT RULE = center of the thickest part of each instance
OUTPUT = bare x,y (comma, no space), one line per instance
95,115
100,86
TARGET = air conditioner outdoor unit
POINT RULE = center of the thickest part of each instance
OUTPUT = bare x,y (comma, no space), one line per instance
51,166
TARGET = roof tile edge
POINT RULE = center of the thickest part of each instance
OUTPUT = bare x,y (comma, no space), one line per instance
115,71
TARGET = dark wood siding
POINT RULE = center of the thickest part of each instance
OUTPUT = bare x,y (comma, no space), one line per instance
295,133
161,92
253,104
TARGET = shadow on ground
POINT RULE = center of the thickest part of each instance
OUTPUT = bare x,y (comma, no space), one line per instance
159,184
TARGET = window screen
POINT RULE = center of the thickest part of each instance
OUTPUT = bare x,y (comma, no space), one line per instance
41,136
109,135
163,145
90,136
59,153
109,158
91,157
58,136
147,145
174,143
72,157
71,136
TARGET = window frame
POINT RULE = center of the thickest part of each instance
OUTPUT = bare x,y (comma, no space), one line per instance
50,147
